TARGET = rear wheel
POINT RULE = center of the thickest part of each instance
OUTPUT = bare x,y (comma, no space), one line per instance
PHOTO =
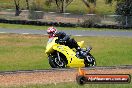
89,61
55,62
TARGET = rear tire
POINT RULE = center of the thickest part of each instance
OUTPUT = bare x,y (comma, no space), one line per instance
55,63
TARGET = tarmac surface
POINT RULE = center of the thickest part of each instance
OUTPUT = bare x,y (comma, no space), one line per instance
71,32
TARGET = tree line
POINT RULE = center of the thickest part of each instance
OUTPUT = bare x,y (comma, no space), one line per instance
123,7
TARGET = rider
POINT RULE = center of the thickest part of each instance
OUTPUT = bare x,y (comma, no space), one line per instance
62,37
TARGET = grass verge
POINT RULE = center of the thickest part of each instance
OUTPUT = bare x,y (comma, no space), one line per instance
19,26
26,52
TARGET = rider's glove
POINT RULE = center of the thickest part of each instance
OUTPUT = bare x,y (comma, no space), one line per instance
57,41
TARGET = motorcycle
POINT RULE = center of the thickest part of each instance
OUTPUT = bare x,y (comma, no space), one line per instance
61,56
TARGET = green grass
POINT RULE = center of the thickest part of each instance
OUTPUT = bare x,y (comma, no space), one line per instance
75,85
81,8
19,26
26,52
18,52
110,50
6,4
106,9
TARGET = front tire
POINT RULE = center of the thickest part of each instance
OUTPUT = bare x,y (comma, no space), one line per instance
89,61
55,63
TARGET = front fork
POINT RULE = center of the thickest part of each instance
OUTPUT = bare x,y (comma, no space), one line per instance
58,55
59,62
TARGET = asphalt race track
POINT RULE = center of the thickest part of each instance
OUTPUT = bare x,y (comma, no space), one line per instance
71,32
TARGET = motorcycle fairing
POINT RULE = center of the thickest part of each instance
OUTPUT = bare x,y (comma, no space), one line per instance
80,43
50,44
73,61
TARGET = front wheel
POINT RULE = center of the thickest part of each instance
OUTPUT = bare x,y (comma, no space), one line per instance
55,62
89,61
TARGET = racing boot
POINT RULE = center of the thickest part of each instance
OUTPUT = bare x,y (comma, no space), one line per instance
81,53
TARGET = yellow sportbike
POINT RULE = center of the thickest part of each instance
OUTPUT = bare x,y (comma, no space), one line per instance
61,56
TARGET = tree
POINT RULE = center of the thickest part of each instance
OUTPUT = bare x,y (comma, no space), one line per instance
36,9
61,4
17,7
88,2
27,2
124,8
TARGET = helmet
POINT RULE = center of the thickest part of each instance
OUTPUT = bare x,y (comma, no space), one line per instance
51,31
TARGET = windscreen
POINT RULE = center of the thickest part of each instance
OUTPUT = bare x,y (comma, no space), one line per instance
50,40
